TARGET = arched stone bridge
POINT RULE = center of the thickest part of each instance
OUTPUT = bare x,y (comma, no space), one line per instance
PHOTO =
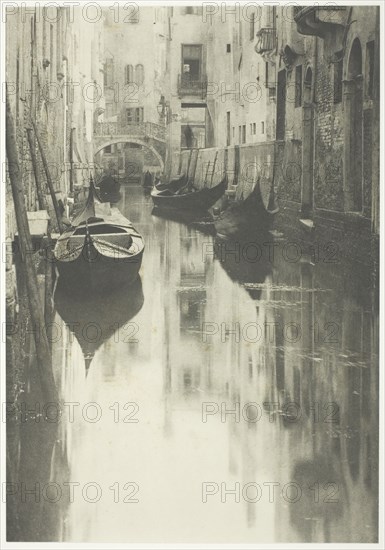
146,134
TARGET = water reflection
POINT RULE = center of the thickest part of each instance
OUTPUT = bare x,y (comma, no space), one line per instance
95,319
220,332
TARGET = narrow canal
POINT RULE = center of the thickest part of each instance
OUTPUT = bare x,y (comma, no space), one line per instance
229,399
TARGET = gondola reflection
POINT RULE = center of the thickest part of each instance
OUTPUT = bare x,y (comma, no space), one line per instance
203,222
94,319
244,262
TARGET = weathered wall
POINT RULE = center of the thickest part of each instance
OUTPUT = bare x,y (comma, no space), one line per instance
275,164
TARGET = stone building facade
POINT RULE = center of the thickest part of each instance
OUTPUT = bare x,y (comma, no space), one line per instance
55,67
135,64
292,95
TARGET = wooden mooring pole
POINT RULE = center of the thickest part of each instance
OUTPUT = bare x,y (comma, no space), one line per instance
48,249
43,353
39,189
47,173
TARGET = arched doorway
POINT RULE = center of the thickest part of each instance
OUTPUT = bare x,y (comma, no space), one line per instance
353,161
307,146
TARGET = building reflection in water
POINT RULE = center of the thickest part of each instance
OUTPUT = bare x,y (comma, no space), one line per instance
227,332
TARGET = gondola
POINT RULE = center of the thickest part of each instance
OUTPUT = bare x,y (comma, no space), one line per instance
246,217
104,314
109,189
174,185
98,253
148,180
200,200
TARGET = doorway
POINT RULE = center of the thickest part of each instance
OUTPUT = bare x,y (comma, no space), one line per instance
353,111
307,146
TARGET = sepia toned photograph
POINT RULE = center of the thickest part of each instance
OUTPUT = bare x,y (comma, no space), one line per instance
191,274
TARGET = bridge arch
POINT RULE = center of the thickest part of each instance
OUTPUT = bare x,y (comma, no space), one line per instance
141,142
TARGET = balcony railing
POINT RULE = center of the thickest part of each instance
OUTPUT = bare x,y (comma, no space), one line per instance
139,130
187,85
267,40
318,20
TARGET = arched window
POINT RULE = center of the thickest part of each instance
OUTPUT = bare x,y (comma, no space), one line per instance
139,74
128,74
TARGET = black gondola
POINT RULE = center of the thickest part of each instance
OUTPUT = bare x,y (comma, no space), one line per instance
245,217
148,180
108,189
198,200
174,185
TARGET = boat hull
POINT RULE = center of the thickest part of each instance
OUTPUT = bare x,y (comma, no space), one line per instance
98,272
98,254
245,218
200,200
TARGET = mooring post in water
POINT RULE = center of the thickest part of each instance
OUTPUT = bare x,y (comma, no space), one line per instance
47,174
43,354
48,255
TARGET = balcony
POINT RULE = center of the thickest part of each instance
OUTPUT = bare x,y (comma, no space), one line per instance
141,130
267,40
188,85
319,21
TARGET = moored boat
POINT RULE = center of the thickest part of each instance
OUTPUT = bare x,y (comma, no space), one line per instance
148,180
201,199
109,189
174,185
98,253
245,217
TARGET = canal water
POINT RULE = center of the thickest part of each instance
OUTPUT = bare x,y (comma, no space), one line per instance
231,396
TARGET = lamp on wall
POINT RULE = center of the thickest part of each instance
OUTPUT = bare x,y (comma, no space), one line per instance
163,109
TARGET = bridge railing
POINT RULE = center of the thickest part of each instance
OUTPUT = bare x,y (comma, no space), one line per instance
140,130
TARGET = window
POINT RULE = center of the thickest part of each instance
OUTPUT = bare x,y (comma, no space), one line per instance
192,10
128,74
191,61
108,71
244,133
239,134
139,74
251,128
228,48
252,26
298,86
267,74
337,77
262,127
370,68
134,115
108,149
